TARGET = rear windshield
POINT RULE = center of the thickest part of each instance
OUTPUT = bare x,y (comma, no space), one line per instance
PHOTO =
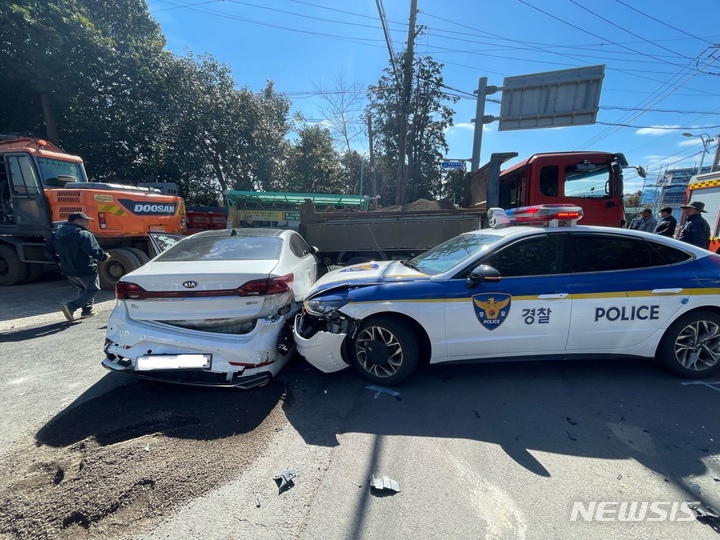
223,248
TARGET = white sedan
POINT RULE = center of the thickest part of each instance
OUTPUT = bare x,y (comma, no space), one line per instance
214,309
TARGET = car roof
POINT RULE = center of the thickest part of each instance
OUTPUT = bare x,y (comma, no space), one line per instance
520,231
244,232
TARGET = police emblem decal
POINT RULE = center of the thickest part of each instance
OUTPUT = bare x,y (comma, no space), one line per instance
491,309
361,268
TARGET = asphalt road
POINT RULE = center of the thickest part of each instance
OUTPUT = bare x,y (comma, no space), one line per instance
496,451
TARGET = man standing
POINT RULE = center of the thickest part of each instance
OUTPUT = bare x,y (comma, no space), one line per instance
77,251
666,226
696,230
646,221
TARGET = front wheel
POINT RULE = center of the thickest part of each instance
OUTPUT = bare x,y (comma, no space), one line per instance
384,351
691,346
12,269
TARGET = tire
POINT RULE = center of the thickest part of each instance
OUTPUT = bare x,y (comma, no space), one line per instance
35,271
691,346
12,269
384,351
122,262
140,254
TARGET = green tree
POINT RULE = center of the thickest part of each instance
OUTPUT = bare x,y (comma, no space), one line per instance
313,164
59,52
632,200
429,119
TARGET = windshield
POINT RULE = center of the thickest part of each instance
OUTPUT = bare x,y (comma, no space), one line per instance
587,184
52,168
223,248
455,251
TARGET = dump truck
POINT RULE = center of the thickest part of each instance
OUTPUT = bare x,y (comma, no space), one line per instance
591,180
40,186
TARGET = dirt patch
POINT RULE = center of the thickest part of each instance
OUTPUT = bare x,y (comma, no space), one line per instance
114,465
423,204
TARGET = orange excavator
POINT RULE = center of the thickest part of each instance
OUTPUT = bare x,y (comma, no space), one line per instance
40,186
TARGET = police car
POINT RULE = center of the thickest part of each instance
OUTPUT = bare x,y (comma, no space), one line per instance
558,291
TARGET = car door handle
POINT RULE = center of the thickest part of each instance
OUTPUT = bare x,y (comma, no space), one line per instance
667,291
553,296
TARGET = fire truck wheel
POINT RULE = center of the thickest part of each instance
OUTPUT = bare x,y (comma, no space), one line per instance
121,262
12,269
140,254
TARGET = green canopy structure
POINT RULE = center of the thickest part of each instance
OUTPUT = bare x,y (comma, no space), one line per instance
262,199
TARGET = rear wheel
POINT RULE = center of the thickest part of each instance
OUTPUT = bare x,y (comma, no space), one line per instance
140,254
35,270
12,269
384,351
691,346
121,262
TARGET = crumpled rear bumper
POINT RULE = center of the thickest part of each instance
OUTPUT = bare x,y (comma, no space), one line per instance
241,361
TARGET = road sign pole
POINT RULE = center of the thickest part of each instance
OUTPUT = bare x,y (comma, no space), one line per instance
479,114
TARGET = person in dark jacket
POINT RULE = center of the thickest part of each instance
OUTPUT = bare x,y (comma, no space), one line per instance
77,251
666,226
696,230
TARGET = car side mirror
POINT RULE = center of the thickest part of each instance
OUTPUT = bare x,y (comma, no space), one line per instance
482,273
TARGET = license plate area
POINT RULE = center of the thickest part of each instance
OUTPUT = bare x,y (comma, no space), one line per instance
173,361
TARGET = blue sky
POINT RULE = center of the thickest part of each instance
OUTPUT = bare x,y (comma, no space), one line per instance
662,58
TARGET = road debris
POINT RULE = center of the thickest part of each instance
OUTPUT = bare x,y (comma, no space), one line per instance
705,512
257,501
284,480
380,389
384,484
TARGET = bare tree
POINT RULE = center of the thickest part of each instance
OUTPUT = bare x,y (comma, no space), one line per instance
343,108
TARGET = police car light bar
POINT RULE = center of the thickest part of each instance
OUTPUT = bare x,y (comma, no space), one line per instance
541,214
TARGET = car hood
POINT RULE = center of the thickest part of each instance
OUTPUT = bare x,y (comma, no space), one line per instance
359,275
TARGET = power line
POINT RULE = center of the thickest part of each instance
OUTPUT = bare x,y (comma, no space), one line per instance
662,22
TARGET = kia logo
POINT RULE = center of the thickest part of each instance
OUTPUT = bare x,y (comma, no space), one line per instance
190,284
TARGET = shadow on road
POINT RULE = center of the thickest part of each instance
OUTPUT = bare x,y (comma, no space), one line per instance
121,413
38,332
611,410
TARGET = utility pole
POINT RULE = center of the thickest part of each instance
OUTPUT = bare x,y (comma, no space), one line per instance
480,120
373,183
405,103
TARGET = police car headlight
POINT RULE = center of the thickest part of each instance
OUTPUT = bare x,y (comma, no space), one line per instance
319,307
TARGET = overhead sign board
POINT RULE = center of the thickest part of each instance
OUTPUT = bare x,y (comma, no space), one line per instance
569,97
453,164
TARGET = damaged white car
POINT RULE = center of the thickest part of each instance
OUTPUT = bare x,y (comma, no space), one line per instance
215,309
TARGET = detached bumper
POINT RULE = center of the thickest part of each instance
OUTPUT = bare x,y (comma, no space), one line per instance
323,350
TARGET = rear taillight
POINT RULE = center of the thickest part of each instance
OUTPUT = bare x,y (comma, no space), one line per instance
260,287
102,222
129,291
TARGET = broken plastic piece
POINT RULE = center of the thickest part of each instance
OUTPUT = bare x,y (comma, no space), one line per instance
383,483
704,511
284,480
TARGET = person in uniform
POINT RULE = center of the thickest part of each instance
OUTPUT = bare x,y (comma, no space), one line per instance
696,230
